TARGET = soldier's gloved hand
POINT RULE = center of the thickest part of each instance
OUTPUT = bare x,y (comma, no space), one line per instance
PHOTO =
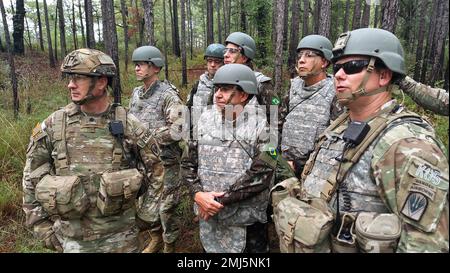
52,242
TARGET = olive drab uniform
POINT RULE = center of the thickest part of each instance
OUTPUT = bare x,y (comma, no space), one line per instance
80,185
392,190
308,114
159,109
222,164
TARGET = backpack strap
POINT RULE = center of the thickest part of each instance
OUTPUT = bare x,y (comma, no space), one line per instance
120,114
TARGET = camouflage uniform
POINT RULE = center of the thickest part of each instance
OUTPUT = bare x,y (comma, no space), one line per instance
404,171
308,113
72,143
158,108
433,99
245,178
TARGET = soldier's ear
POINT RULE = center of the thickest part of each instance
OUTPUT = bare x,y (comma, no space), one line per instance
385,77
102,82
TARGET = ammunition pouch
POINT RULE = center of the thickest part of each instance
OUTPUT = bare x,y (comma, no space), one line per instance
377,232
303,226
344,241
118,191
63,196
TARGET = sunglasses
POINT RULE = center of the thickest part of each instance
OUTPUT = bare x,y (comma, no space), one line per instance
231,50
76,77
351,67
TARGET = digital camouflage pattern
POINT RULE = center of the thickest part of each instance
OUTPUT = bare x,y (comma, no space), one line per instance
308,114
159,108
243,172
404,172
70,142
433,99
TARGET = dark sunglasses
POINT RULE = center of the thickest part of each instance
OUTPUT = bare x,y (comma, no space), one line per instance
351,67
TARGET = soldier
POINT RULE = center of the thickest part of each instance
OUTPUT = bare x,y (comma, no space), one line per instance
80,180
310,102
433,99
157,104
240,48
202,93
378,174
230,177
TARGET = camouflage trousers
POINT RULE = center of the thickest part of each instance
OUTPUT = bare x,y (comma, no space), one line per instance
159,204
121,242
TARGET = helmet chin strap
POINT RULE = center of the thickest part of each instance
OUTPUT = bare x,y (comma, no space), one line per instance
90,97
345,99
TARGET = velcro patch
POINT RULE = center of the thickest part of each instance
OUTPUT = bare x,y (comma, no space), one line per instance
37,132
424,188
428,174
415,206
275,101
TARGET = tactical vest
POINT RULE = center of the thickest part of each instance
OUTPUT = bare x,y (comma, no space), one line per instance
147,105
204,91
221,161
83,146
308,117
358,191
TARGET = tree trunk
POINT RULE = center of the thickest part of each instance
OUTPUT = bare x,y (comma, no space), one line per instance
124,12
56,35
305,30
431,29
439,40
191,29
98,24
365,20
74,28
111,44
389,13
325,18
422,8
316,17
261,21
2,48
446,76
294,36
80,14
209,22
227,16
243,13
279,46
41,39
286,25
149,21
51,58
90,35
166,70
346,16
175,35
356,15
62,29
219,25
12,67
19,27
28,32
183,43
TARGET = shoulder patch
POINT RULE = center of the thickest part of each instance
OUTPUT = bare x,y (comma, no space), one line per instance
415,206
275,101
38,132
271,151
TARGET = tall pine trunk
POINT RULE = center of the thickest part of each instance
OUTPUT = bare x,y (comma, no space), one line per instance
19,27
149,21
305,28
51,58
209,22
389,14
279,46
423,7
89,13
175,35
183,43
294,36
124,12
325,18
356,14
80,14
166,70
41,39
62,29
346,16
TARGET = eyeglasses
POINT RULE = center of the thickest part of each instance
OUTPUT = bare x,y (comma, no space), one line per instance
224,87
76,77
215,61
351,67
231,50
307,54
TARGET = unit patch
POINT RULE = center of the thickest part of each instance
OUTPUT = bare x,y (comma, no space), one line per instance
428,174
424,188
415,206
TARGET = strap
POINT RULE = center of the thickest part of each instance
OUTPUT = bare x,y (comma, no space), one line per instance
119,114
351,157
62,158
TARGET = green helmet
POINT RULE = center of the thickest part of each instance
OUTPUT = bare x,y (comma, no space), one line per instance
215,51
245,41
148,54
86,61
319,43
374,42
237,74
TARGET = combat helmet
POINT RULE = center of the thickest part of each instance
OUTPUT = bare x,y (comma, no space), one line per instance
237,74
148,54
245,42
215,51
86,61
319,43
